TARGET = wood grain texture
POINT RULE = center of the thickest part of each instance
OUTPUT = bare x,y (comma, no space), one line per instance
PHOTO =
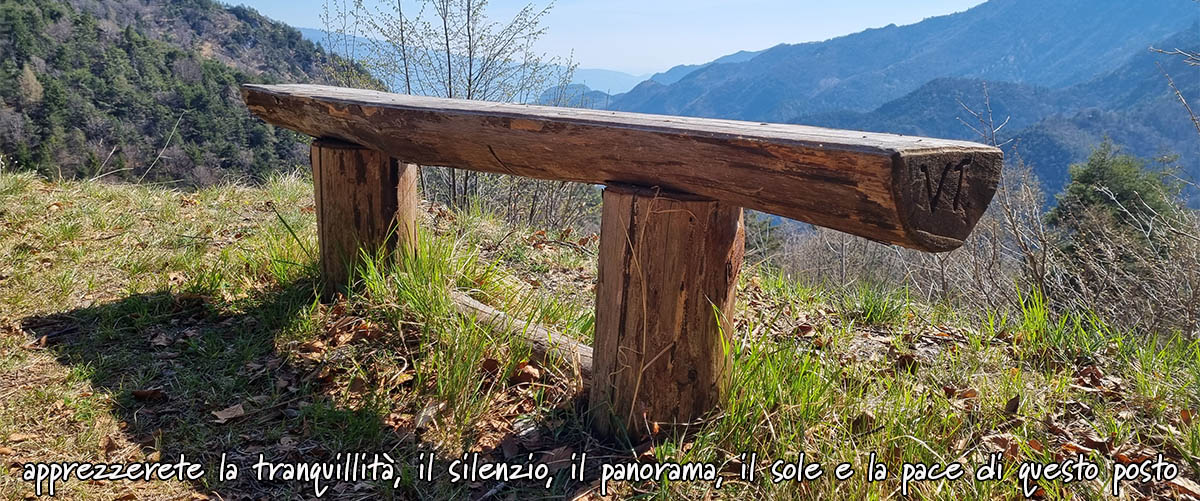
364,200
408,202
917,192
544,343
667,270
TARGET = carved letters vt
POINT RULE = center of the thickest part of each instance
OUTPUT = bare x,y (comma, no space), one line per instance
936,195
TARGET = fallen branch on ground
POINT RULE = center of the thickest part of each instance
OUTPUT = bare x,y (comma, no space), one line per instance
544,342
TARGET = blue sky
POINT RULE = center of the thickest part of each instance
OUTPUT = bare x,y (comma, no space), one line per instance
645,36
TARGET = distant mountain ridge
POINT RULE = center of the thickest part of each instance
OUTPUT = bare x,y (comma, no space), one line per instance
1036,42
678,72
604,80
1051,128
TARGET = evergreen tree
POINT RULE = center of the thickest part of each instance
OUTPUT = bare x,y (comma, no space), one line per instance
31,89
1114,186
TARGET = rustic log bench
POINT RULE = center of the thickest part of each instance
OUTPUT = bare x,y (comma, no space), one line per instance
671,237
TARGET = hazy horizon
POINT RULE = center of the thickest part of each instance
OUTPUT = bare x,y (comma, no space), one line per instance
643,37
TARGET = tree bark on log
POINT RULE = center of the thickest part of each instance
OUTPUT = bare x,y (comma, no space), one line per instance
364,200
668,272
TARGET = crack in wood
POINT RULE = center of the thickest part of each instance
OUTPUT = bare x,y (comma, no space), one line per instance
501,162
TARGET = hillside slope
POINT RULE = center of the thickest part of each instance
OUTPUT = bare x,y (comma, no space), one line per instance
134,89
139,324
237,36
1054,44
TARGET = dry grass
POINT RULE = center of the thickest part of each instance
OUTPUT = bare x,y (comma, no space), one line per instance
130,315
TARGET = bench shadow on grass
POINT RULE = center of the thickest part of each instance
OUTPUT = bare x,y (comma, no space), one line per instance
171,360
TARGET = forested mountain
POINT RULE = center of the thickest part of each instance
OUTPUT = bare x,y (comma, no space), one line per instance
89,87
934,109
1036,42
144,89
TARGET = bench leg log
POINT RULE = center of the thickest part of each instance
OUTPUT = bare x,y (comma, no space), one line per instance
364,200
666,262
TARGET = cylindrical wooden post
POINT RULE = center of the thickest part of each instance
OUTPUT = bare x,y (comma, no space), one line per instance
364,200
667,261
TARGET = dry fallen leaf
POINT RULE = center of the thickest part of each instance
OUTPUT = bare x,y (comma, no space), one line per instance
398,420
490,366
1055,429
1186,416
1091,439
358,386
107,447
314,346
20,437
427,414
952,392
558,458
288,442
1124,458
907,363
524,373
366,331
160,340
152,395
1006,443
862,423
231,412
39,342
402,378
1185,487
1075,448
1013,405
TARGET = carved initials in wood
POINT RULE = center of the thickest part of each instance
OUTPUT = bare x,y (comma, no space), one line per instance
936,195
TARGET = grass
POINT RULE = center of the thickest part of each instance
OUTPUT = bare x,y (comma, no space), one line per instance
874,305
161,309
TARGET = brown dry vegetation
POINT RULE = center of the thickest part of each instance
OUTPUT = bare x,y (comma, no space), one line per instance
140,324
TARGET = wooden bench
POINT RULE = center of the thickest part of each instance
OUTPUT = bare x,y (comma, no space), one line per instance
671,238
